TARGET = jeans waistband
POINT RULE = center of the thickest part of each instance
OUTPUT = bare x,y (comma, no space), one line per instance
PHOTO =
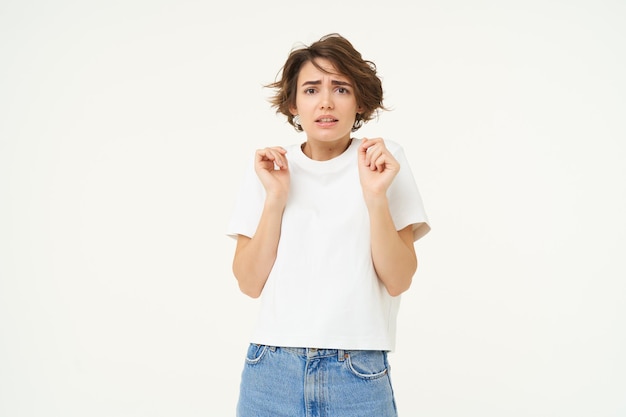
313,352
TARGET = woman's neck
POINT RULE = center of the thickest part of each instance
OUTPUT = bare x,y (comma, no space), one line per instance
324,151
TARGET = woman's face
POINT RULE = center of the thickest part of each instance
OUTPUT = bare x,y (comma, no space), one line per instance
325,102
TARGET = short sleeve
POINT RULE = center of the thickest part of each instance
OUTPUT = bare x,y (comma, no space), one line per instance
405,200
248,205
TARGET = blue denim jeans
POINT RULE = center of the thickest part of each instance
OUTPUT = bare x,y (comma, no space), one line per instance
306,382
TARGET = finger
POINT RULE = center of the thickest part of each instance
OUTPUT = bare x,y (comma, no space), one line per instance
375,154
380,163
279,157
275,149
365,151
276,155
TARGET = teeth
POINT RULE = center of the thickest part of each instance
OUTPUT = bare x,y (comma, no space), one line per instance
327,120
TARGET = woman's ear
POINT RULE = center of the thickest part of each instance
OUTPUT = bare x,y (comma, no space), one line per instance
293,111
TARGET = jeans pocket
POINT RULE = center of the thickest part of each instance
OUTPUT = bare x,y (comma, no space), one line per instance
367,364
255,353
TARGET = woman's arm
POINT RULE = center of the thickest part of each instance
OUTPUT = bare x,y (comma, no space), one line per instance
393,253
254,257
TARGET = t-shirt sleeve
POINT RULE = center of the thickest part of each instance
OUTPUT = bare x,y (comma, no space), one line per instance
248,205
405,200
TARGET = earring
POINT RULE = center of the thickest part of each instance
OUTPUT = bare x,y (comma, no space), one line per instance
358,122
296,123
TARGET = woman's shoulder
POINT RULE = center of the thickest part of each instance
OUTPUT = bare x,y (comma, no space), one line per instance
392,145
291,147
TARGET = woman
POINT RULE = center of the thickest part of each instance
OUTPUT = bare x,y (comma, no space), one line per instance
325,232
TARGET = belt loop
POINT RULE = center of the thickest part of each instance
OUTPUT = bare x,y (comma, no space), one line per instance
341,355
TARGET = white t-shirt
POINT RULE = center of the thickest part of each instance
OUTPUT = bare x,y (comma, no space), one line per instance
323,291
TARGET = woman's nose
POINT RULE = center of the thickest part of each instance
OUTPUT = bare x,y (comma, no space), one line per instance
326,101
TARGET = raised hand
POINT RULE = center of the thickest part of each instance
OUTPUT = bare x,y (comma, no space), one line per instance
272,169
377,167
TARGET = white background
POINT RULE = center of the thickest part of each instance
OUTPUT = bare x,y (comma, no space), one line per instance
124,130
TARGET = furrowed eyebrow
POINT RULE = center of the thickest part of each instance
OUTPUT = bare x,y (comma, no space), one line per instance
333,82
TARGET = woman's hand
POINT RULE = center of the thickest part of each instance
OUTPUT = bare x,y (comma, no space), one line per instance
271,167
393,253
377,168
255,256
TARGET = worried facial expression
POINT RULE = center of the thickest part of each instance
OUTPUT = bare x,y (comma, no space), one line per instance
325,102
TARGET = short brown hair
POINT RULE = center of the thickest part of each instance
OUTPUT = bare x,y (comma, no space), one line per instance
347,60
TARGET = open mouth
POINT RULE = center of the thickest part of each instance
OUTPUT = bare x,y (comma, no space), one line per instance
327,120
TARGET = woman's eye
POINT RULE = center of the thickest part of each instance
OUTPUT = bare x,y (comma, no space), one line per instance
342,90
309,91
